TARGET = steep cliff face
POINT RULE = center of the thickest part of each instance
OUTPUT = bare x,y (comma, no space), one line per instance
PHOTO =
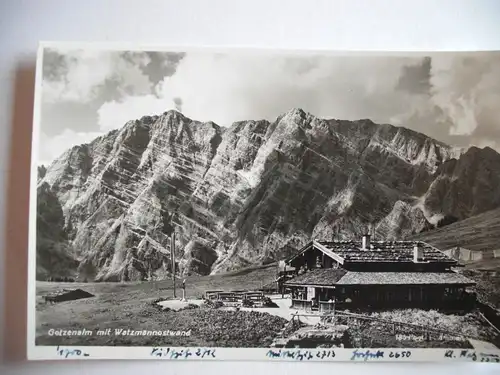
250,193
55,256
468,186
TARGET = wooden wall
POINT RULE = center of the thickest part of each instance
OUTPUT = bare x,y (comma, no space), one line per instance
387,296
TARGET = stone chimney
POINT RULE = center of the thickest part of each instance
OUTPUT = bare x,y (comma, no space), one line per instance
366,242
418,253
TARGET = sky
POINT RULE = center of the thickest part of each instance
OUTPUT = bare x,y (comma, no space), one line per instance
452,97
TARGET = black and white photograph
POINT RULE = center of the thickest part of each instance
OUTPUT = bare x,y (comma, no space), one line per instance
314,204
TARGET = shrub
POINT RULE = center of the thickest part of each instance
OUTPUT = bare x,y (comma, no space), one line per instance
292,327
233,328
446,220
213,304
218,304
268,302
377,334
191,306
247,303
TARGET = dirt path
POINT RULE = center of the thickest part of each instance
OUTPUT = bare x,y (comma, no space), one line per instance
285,311
177,304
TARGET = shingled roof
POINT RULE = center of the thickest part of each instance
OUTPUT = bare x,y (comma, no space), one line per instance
385,252
329,277
403,278
318,277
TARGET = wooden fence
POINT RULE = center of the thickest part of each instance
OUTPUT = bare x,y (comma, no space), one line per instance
235,296
213,294
393,323
322,306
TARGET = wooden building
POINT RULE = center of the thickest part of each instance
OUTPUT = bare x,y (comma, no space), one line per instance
375,275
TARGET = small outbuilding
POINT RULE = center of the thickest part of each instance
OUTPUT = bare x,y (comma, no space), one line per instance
68,295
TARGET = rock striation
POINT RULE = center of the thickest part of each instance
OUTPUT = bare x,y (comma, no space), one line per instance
253,192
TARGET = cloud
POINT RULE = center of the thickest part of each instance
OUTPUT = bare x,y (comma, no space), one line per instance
459,98
83,75
415,79
225,88
53,147
76,83
114,114
451,97
228,88
178,104
468,91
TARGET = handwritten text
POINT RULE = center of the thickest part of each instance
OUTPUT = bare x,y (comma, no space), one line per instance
366,355
69,352
300,355
472,355
171,353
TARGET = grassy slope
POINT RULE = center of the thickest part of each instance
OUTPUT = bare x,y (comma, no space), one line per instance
128,305
376,334
481,232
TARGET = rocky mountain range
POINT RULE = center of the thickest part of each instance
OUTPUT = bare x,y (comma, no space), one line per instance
247,194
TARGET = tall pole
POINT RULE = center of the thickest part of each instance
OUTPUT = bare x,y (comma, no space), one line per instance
172,254
282,280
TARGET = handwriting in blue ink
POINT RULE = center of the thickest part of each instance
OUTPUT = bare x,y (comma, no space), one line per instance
366,355
462,354
486,357
400,354
300,355
68,352
171,353
322,354
472,355
468,354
